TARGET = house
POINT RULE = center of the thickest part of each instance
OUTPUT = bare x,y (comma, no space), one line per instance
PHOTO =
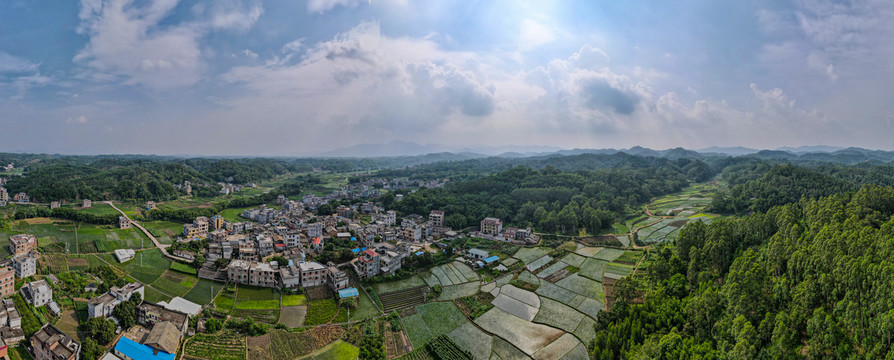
164,337
103,305
7,281
37,293
124,254
21,197
312,274
390,262
22,244
317,244
182,305
217,222
436,217
336,278
491,226
150,205
55,205
50,343
127,349
149,314
367,265
86,203
123,222
25,265
315,230
478,254
348,292
290,277
54,308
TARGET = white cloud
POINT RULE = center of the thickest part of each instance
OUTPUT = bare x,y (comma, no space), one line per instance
321,6
533,34
250,53
78,120
13,64
127,41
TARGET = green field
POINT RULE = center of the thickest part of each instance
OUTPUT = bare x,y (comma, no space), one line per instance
432,320
163,230
147,266
204,291
175,283
392,286
154,296
365,310
337,350
232,215
320,311
294,300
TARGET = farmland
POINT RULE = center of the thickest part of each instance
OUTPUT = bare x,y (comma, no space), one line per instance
227,345
432,320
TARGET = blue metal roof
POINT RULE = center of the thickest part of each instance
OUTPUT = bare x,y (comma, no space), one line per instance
353,238
419,253
137,351
355,250
492,259
349,292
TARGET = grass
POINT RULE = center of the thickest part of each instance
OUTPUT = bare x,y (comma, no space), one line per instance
181,267
232,215
154,296
320,311
161,230
246,293
258,305
224,303
365,310
294,300
392,286
147,266
337,350
175,283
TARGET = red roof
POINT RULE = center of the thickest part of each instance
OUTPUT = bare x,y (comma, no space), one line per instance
280,245
317,241
371,252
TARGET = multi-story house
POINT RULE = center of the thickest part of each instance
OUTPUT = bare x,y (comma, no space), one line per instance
103,305
217,222
37,293
86,203
315,230
25,265
7,281
336,278
312,274
149,314
367,265
50,343
22,244
491,226
290,277
436,218
21,197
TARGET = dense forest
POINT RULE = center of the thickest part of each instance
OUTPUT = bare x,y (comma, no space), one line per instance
808,278
551,199
758,186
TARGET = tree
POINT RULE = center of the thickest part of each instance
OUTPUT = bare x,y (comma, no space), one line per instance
126,311
198,261
221,263
213,325
90,350
101,329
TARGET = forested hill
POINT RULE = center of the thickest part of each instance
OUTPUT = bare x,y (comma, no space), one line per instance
758,186
811,278
550,199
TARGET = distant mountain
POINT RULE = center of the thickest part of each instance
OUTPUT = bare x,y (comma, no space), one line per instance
734,151
408,148
810,149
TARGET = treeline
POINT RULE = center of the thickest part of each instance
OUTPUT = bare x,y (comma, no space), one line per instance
759,186
808,278
140,179
27,212
550,199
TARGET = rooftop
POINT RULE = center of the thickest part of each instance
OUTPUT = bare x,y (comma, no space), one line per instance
137,351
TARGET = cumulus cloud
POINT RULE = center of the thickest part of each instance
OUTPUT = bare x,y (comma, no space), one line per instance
250,53
363,78
128,42
78,120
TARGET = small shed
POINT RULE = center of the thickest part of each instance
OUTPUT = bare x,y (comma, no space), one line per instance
348,292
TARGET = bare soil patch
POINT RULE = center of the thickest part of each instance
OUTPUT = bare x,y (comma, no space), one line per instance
293,316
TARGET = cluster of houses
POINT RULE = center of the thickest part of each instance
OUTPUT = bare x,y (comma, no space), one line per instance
492,229
19,198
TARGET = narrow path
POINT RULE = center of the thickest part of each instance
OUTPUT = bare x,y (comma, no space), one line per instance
159,245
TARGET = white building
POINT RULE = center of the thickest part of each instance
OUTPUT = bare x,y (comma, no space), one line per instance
104,304
125,254
38,293
25,265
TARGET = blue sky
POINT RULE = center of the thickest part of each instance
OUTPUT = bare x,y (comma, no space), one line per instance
252,77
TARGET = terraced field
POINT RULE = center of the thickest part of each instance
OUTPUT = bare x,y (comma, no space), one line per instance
403,299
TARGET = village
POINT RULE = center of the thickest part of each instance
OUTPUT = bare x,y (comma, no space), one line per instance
285,246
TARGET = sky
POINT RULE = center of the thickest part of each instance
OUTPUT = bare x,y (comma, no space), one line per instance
294,78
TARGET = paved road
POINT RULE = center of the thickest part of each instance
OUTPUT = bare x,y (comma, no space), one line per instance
159,245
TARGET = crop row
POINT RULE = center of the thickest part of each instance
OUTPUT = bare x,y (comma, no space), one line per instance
442,348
